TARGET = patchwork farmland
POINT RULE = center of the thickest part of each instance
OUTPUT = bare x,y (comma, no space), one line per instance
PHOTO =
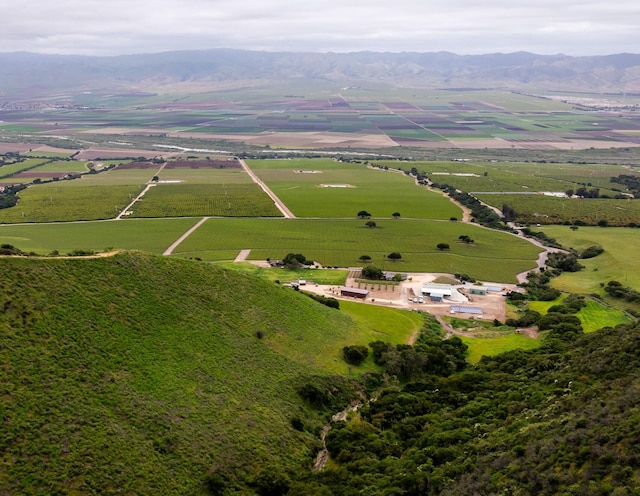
218,188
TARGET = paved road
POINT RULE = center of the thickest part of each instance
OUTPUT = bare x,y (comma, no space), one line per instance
288,214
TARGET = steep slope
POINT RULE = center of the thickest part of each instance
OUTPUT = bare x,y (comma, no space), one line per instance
559,420
141,375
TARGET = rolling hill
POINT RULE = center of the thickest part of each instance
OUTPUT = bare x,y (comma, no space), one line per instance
138,374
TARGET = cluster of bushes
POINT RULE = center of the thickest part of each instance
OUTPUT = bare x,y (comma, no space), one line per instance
432,357
9,197
328,301
372,272
559,319
10,250
296,260
631,182
464,277
617,290
559,419
481,213
355,354
542,237
537,287
591,252
565,262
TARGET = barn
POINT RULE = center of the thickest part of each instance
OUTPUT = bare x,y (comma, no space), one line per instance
354,292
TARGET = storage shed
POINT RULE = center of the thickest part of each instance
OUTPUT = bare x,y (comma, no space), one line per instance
354,292
478,290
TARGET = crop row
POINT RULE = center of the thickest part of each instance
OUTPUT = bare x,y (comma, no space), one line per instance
344,189
50,203
342,242
189,200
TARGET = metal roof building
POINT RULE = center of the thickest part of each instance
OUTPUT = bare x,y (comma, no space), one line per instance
354,292
432,288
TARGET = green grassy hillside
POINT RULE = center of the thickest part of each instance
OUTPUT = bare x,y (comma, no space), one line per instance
141,374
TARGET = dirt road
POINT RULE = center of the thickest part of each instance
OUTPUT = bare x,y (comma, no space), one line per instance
288,214
169,250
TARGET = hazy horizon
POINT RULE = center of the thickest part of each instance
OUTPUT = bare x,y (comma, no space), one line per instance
463,27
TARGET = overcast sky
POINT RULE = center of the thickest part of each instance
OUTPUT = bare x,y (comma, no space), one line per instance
112,27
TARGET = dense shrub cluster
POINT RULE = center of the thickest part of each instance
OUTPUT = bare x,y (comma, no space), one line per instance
566,262
558,420
617,290
328,301
591,252
355,354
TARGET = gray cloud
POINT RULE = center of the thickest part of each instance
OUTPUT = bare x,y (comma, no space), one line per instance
461,26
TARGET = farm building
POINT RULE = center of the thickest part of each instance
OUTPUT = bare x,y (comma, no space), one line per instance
478,290
354,292
436,292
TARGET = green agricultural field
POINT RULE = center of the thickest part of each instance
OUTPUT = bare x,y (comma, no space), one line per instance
47,154
56,203
349,188
372,323
475,176
9,170
377,323
334,277
479,347
619,262
151,235
205,175
540,209
342,242
121,176
191,200
593,316
63,166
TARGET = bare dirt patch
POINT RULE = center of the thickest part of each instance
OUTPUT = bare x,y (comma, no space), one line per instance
16,147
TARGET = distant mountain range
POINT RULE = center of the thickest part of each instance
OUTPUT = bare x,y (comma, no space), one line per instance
37,73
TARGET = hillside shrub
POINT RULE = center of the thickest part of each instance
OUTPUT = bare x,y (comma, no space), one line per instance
591,252
355,354
327,301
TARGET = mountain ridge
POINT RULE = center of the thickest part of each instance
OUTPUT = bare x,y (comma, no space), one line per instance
602,73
